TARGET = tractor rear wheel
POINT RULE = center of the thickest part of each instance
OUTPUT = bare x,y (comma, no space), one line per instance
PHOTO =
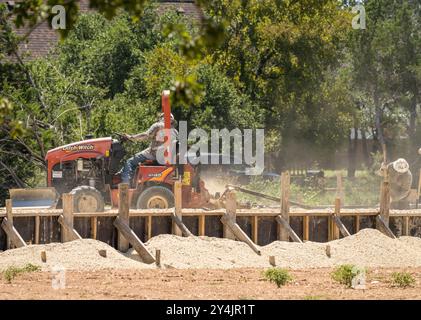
155,197
87,199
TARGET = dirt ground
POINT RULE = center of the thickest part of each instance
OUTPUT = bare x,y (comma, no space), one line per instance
240,284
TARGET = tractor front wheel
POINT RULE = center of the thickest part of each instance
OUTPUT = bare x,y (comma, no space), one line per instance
87,199
155,197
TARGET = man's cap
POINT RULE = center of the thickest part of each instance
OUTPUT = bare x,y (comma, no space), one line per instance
400,165
161,116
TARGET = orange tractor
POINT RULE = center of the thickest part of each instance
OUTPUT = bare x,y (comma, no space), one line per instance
89,170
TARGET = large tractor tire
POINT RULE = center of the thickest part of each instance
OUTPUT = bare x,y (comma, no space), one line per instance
155,197
87,199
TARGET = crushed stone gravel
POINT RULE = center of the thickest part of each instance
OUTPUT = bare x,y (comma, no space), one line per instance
367,248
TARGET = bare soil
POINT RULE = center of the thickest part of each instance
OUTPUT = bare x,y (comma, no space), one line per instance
203,284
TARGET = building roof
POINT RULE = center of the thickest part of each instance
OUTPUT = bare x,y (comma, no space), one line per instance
43,38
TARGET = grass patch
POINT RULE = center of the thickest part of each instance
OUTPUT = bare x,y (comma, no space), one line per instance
345,273
402,279
277,275
11,272
362,190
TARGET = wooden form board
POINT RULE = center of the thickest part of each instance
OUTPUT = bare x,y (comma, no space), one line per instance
43,226
266,227
260,212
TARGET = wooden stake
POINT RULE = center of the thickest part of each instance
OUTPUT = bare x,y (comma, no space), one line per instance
181,226
283,234
288,228
67,217
149,227
94,227
419,188
272,261
405,226
335,229
125,231
71,233
102,253
123,214
231,209
202,226
9,216
238,232
16,241
385,201
383,227
328,250
306,228
37,229
357,223
43,256
255,229
158,257
178,199
340,225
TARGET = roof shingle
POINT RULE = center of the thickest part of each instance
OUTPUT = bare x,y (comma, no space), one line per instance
43,38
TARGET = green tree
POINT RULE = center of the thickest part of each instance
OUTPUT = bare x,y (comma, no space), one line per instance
385,59
281,53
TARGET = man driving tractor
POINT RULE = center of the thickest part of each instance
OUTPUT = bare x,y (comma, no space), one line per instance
156,135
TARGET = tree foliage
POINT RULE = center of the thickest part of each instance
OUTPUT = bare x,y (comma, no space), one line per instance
295,68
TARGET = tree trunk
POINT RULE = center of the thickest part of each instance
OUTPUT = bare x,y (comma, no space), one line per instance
379,129
413,141
351,155
366,154
412,117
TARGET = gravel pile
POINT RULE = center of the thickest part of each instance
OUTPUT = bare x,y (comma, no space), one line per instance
297,255
74,255
371,248
204,252
367,248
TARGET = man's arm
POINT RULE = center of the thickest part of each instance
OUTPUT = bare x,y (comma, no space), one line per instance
147,134
139,137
